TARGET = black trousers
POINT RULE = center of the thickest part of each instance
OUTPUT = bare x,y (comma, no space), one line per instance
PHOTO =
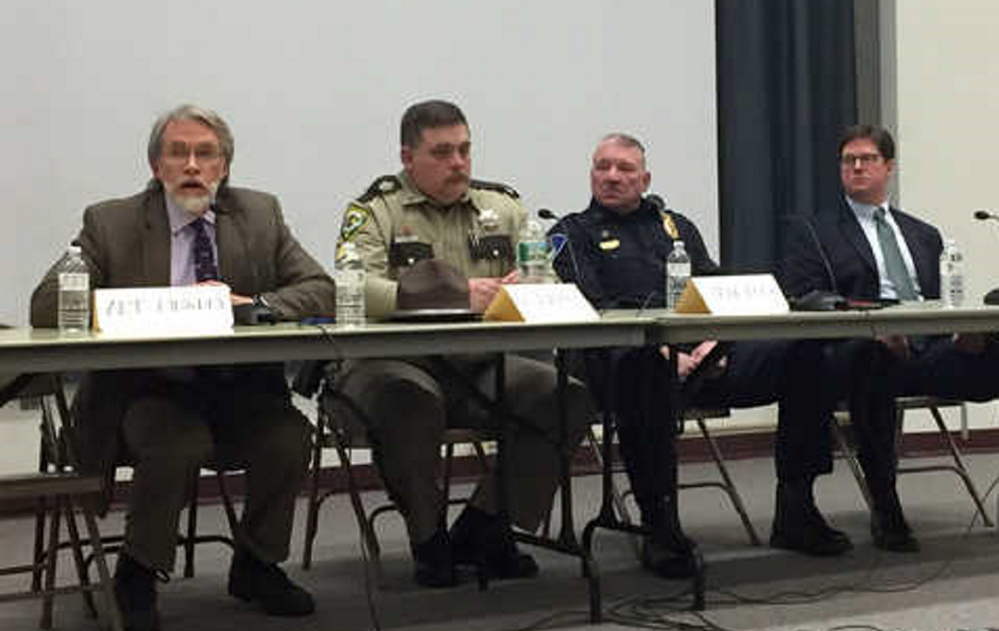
758,373
869,377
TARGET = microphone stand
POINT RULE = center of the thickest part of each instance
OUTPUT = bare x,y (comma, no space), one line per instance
992,297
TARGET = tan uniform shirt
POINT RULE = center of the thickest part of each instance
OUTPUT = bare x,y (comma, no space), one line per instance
394,212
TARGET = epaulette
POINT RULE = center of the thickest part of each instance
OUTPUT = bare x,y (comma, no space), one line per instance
499,187
384,184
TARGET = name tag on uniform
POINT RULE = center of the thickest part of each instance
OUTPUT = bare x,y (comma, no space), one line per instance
610,244
747,294
156,311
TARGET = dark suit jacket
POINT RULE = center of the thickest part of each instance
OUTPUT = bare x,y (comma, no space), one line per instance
126,243
854,274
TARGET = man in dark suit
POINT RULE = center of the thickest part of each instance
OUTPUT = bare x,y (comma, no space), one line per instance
188,227
863,248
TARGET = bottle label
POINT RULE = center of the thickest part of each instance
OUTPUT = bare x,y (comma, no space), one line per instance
74,281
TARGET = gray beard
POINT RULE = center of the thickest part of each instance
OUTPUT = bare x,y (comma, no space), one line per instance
195,205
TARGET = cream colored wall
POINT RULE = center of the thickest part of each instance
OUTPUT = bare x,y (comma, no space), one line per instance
947,127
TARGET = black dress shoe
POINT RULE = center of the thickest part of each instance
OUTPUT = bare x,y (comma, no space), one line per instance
889,528
433,563
895,538
486,541
253,580
799,525
135,593
811,539
667,561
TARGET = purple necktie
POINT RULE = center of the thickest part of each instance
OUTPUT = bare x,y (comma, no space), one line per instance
204,257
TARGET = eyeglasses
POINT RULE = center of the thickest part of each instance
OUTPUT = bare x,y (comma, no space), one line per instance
180,153
866,159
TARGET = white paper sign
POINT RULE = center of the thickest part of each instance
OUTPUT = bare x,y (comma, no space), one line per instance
146,311
541,303
747,294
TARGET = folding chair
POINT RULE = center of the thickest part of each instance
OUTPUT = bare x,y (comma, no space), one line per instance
903,404
724,482
346,436
60,492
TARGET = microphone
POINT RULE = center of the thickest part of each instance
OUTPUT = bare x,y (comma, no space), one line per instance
657,201
818,299
544,213
992,297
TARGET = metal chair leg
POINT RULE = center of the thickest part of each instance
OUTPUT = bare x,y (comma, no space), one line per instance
851,461
728,485
312,514
959,467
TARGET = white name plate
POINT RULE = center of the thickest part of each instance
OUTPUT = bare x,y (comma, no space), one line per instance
188,310
748,294
541,303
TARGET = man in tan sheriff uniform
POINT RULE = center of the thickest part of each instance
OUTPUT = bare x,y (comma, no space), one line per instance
432,209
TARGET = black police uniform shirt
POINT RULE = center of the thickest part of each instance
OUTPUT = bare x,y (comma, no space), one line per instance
619,260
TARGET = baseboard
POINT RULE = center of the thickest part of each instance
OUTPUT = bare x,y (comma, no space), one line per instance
736,445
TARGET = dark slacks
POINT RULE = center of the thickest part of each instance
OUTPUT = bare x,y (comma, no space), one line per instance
757,373
869,377
171,430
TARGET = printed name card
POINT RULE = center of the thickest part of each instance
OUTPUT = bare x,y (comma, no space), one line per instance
189,310
541,303
748,294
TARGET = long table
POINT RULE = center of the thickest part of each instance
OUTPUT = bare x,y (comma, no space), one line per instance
27,350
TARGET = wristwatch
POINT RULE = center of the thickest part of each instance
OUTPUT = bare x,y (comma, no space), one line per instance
260,301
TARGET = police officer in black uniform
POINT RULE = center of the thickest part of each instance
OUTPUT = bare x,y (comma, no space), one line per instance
615,251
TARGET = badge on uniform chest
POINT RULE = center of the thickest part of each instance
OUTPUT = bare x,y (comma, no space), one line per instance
608,241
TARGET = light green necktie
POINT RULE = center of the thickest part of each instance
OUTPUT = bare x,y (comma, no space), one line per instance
894,263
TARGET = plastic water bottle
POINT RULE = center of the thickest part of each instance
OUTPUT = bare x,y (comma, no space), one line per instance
349,277
74,292
677,274
951,275
533,258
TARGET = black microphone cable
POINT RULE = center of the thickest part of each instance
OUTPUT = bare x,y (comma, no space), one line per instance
369,586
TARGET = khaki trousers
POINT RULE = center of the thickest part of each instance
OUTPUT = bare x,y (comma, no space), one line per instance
407,405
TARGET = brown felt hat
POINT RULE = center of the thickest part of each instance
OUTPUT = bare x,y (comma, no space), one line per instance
432,284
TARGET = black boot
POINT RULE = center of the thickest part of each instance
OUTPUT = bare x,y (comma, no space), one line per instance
433,562
799,526
888,526
253,580
486,541
668,552
135,592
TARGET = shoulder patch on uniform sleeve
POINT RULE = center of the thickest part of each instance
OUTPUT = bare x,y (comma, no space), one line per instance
495,186
669,225
384,184
355,217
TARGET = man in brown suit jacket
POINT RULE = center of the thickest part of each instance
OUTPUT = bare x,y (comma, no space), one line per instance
189,226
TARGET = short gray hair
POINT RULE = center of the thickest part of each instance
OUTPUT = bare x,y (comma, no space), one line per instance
626,140
191,113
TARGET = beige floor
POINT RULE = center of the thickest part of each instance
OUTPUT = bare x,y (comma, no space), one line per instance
951,585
